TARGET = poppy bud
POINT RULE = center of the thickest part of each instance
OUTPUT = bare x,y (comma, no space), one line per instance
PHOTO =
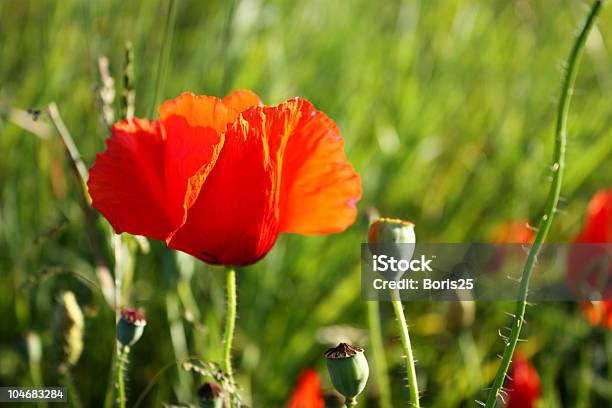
392,237
130,326
69,328
210,395
391,231
348,369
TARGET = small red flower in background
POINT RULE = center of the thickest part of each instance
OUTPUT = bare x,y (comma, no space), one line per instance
525,384
220,179
598,313
513,232
597,229
307,393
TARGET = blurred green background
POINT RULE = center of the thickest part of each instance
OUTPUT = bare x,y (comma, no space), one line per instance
447,108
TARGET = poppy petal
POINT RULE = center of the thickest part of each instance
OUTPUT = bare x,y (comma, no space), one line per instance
307,393
234,221
585,266
320,188
524,386
598,228
198,110
150,175
124,181
241,99
210,111
191,153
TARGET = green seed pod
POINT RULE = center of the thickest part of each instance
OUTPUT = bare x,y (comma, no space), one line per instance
348,369
210,395
69,328
130,326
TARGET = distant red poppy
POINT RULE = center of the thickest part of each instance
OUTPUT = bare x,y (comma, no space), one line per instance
513,232
583,270
598,313
220,179
598,227
307,393
524,385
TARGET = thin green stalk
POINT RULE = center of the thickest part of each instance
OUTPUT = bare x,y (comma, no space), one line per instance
163,55
413,387
608,340
230,324
153,382
129,93
227,36
80,171
122,353
350,403
378,352
551,202
71,390
37,379
109,395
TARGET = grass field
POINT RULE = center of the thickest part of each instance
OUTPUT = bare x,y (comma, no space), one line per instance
448,110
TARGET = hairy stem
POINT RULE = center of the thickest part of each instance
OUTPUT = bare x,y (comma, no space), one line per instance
122,354
378,352
410,369
230,324
551,202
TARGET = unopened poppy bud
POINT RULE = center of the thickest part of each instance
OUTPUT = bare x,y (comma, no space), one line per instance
349,370
391,231
210,395
394,238
130,326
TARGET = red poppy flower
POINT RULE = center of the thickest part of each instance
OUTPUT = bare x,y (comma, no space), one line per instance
584,271
524,385
307,393
598,227
220,179
598,313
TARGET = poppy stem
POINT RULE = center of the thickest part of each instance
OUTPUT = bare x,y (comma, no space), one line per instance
350,402
378,351
122,353
413,387
230,324
552,200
